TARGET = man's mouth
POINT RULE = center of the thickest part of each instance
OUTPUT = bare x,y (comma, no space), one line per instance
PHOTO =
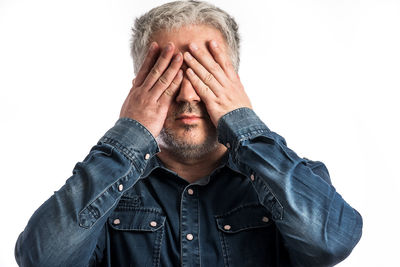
188,118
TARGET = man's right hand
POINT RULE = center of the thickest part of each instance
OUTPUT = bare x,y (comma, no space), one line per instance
154,88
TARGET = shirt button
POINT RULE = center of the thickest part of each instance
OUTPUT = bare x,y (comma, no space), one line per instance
189,237
265,219
147,156
153,223
228,145
252,177
190,191
116,221
227,227
121,187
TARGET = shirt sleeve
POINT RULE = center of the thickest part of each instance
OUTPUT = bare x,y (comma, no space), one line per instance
66,229
318,226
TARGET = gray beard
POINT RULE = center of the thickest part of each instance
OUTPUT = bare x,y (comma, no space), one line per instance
184,150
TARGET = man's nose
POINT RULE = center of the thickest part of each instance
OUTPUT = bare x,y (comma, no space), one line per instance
187,93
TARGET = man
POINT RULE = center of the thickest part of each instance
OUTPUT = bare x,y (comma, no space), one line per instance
189,175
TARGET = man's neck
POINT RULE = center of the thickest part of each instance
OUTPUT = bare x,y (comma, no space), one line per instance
192,169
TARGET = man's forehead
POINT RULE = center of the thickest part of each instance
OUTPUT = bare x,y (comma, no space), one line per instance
183,36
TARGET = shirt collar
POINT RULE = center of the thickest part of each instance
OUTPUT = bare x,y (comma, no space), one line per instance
155,163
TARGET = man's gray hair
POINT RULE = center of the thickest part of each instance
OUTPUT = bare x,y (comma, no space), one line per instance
177,14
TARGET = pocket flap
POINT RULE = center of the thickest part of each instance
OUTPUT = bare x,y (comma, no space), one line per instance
243,218
137,220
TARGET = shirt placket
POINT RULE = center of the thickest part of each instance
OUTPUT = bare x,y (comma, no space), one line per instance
190,230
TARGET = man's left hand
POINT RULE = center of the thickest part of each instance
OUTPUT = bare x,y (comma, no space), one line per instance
215,80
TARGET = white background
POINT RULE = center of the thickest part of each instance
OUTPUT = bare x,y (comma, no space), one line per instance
323,74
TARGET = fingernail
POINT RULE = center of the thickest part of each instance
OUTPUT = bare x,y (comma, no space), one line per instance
152,46
193,46
190,71
180,73
188,56
214,43
178,57
168,47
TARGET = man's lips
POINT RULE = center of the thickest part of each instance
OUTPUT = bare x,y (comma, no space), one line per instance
188,118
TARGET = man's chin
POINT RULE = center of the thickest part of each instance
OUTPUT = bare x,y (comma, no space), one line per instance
187,145
183,142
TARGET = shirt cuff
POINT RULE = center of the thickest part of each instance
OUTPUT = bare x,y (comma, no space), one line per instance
238,125
133,140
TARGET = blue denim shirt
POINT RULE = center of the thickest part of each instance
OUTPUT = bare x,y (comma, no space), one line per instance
263,206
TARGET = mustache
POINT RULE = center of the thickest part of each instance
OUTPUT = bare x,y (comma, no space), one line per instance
190,108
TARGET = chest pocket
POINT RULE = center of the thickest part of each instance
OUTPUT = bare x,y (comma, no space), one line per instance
135,236
247,236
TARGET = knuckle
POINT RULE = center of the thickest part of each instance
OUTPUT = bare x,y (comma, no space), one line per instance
215,67
228,65
155,71
205,89
209,77
163,80
174,84
168,92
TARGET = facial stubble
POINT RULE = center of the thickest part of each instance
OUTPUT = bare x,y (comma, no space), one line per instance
185,150
182,148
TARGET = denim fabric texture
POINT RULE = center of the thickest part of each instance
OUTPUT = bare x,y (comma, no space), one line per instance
263,206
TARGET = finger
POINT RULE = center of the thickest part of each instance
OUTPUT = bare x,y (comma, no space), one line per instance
206,77
222,59
165,80
148,63
205,93
169,94
206,59
158,69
